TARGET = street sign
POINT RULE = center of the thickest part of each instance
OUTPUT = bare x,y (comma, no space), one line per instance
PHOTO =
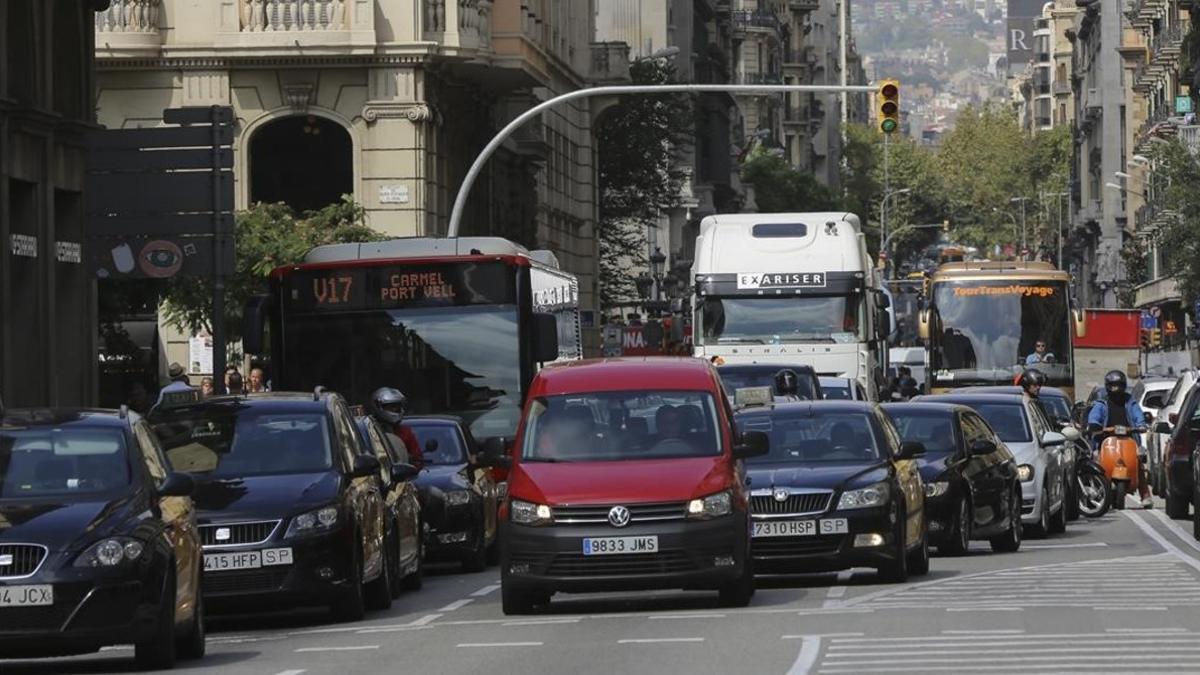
1183,104
156,257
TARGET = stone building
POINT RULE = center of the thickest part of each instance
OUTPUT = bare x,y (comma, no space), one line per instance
47,306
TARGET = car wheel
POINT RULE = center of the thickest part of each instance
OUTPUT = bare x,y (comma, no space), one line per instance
1071,497
918,560
1177,507
416,578
514,601
351,604
958,539
476,559
1010,540
379,591
157,652
1043,524
739,592
895,571
1058,521
192,645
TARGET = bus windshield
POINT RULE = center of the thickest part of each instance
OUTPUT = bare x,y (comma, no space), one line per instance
781,320
462,361
985,332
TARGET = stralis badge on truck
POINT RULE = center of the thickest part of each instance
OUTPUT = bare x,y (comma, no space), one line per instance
750,280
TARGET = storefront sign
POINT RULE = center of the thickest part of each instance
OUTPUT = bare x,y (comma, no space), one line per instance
68,252
24,245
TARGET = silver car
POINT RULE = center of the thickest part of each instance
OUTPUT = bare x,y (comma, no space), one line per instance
1155,441
1043,454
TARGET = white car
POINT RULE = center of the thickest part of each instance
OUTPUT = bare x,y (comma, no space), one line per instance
1154,442
842,389
1043,454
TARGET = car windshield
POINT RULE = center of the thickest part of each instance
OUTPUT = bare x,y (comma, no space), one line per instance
835,391
39,462
440,444
1007,419
824,319
616,426
234,444
933,429
804,438
741,377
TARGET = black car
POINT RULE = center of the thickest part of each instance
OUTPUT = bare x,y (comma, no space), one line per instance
749,375
290,509
402,510
837,490
98,540
454,475
971,485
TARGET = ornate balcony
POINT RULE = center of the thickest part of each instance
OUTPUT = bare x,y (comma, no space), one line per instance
129,27
757,20
464,24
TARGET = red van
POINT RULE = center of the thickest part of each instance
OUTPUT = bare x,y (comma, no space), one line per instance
626,475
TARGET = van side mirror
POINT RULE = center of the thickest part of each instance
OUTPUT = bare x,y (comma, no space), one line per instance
545,337
254,321
495,453
752,444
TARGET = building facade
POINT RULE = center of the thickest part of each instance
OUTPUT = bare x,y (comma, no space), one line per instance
47,301
385,100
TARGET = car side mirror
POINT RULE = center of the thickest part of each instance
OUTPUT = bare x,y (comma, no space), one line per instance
545,337
403,471
1071,434
364,465
1053,438
1162,428
983,447
495,453
177,485
1173,418
431,446
911,450
752,444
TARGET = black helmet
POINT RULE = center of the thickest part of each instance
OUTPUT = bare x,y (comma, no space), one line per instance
787,383
1030,378
1114,382
388,405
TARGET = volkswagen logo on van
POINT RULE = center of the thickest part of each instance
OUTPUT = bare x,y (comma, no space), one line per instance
618,516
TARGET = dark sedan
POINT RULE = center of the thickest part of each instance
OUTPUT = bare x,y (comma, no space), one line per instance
837,490
403,548
98,541
971,485
290,509
455,476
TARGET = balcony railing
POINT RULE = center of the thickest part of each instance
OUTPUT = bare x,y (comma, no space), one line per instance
1189,135
1062,88
129,16
1166,44
467,20
276,16
755,18
759,78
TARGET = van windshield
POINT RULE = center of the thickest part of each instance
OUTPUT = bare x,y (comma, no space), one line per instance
617,426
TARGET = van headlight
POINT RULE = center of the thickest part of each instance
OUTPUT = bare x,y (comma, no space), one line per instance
712,506
1025,473
863,498
313,522
528,513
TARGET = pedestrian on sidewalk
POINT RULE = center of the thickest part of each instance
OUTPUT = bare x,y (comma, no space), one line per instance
234,384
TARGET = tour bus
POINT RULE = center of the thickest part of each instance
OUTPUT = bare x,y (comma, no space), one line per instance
983,320
459,325
790,288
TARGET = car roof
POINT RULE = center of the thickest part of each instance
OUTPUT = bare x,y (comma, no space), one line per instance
36,417
270,401
772,367
923,406
1009,389
812,408
970,398
433,419
625,374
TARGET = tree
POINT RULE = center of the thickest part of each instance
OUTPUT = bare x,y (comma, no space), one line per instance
1178,237
781,188
639,179
266,236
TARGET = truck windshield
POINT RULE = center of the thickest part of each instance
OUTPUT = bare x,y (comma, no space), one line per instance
618,426
985,332
781,320
462,361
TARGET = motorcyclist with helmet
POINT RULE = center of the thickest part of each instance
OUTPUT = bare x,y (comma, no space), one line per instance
787,386
388,406
1117,408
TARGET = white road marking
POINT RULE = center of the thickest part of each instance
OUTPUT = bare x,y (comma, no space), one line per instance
538,622
1126,608
820,635
457,604
647,641
1151,631
485,590
665,617
425,620
1177,529
289,672
1050,637
356,648
499,644
810,651
965,663
1095,544
985,609
1162,541
971,651
1057,667
998,631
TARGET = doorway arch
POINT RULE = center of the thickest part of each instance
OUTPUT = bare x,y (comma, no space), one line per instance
304,161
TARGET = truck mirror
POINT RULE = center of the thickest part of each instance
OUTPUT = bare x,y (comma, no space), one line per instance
254,320
545,337
1080,320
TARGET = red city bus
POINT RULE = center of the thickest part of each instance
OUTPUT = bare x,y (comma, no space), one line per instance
461,325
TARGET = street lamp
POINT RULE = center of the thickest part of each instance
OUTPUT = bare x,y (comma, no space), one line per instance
1022,200
1122,188
883,214
1058,199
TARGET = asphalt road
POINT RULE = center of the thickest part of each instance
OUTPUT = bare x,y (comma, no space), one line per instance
1121,593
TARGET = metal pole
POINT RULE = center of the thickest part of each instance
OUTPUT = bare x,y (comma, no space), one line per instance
218,301
843,39
460,199
1023,244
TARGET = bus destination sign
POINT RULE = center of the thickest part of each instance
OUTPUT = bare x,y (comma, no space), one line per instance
399,286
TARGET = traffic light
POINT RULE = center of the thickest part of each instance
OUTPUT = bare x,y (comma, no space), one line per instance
889,106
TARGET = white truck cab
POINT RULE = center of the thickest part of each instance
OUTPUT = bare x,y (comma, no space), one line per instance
788,288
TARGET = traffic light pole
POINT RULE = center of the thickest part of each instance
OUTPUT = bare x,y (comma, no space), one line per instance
464,190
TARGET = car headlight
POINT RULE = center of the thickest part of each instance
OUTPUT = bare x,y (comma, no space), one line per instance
457,497
312,522
1025,473
936,488
528,513
712,506
872,495
111,552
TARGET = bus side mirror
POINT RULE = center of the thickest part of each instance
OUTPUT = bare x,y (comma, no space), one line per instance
545,337
1080,320
923,324
254,321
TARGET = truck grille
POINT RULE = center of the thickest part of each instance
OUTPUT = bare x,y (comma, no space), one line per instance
638,513
237,534
796,504
20,560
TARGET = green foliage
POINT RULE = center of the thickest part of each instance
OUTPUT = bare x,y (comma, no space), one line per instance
780,188
266,236
638,175
1137,271
1178,236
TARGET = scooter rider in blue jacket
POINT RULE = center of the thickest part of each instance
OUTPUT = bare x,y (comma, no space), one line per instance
1115,409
